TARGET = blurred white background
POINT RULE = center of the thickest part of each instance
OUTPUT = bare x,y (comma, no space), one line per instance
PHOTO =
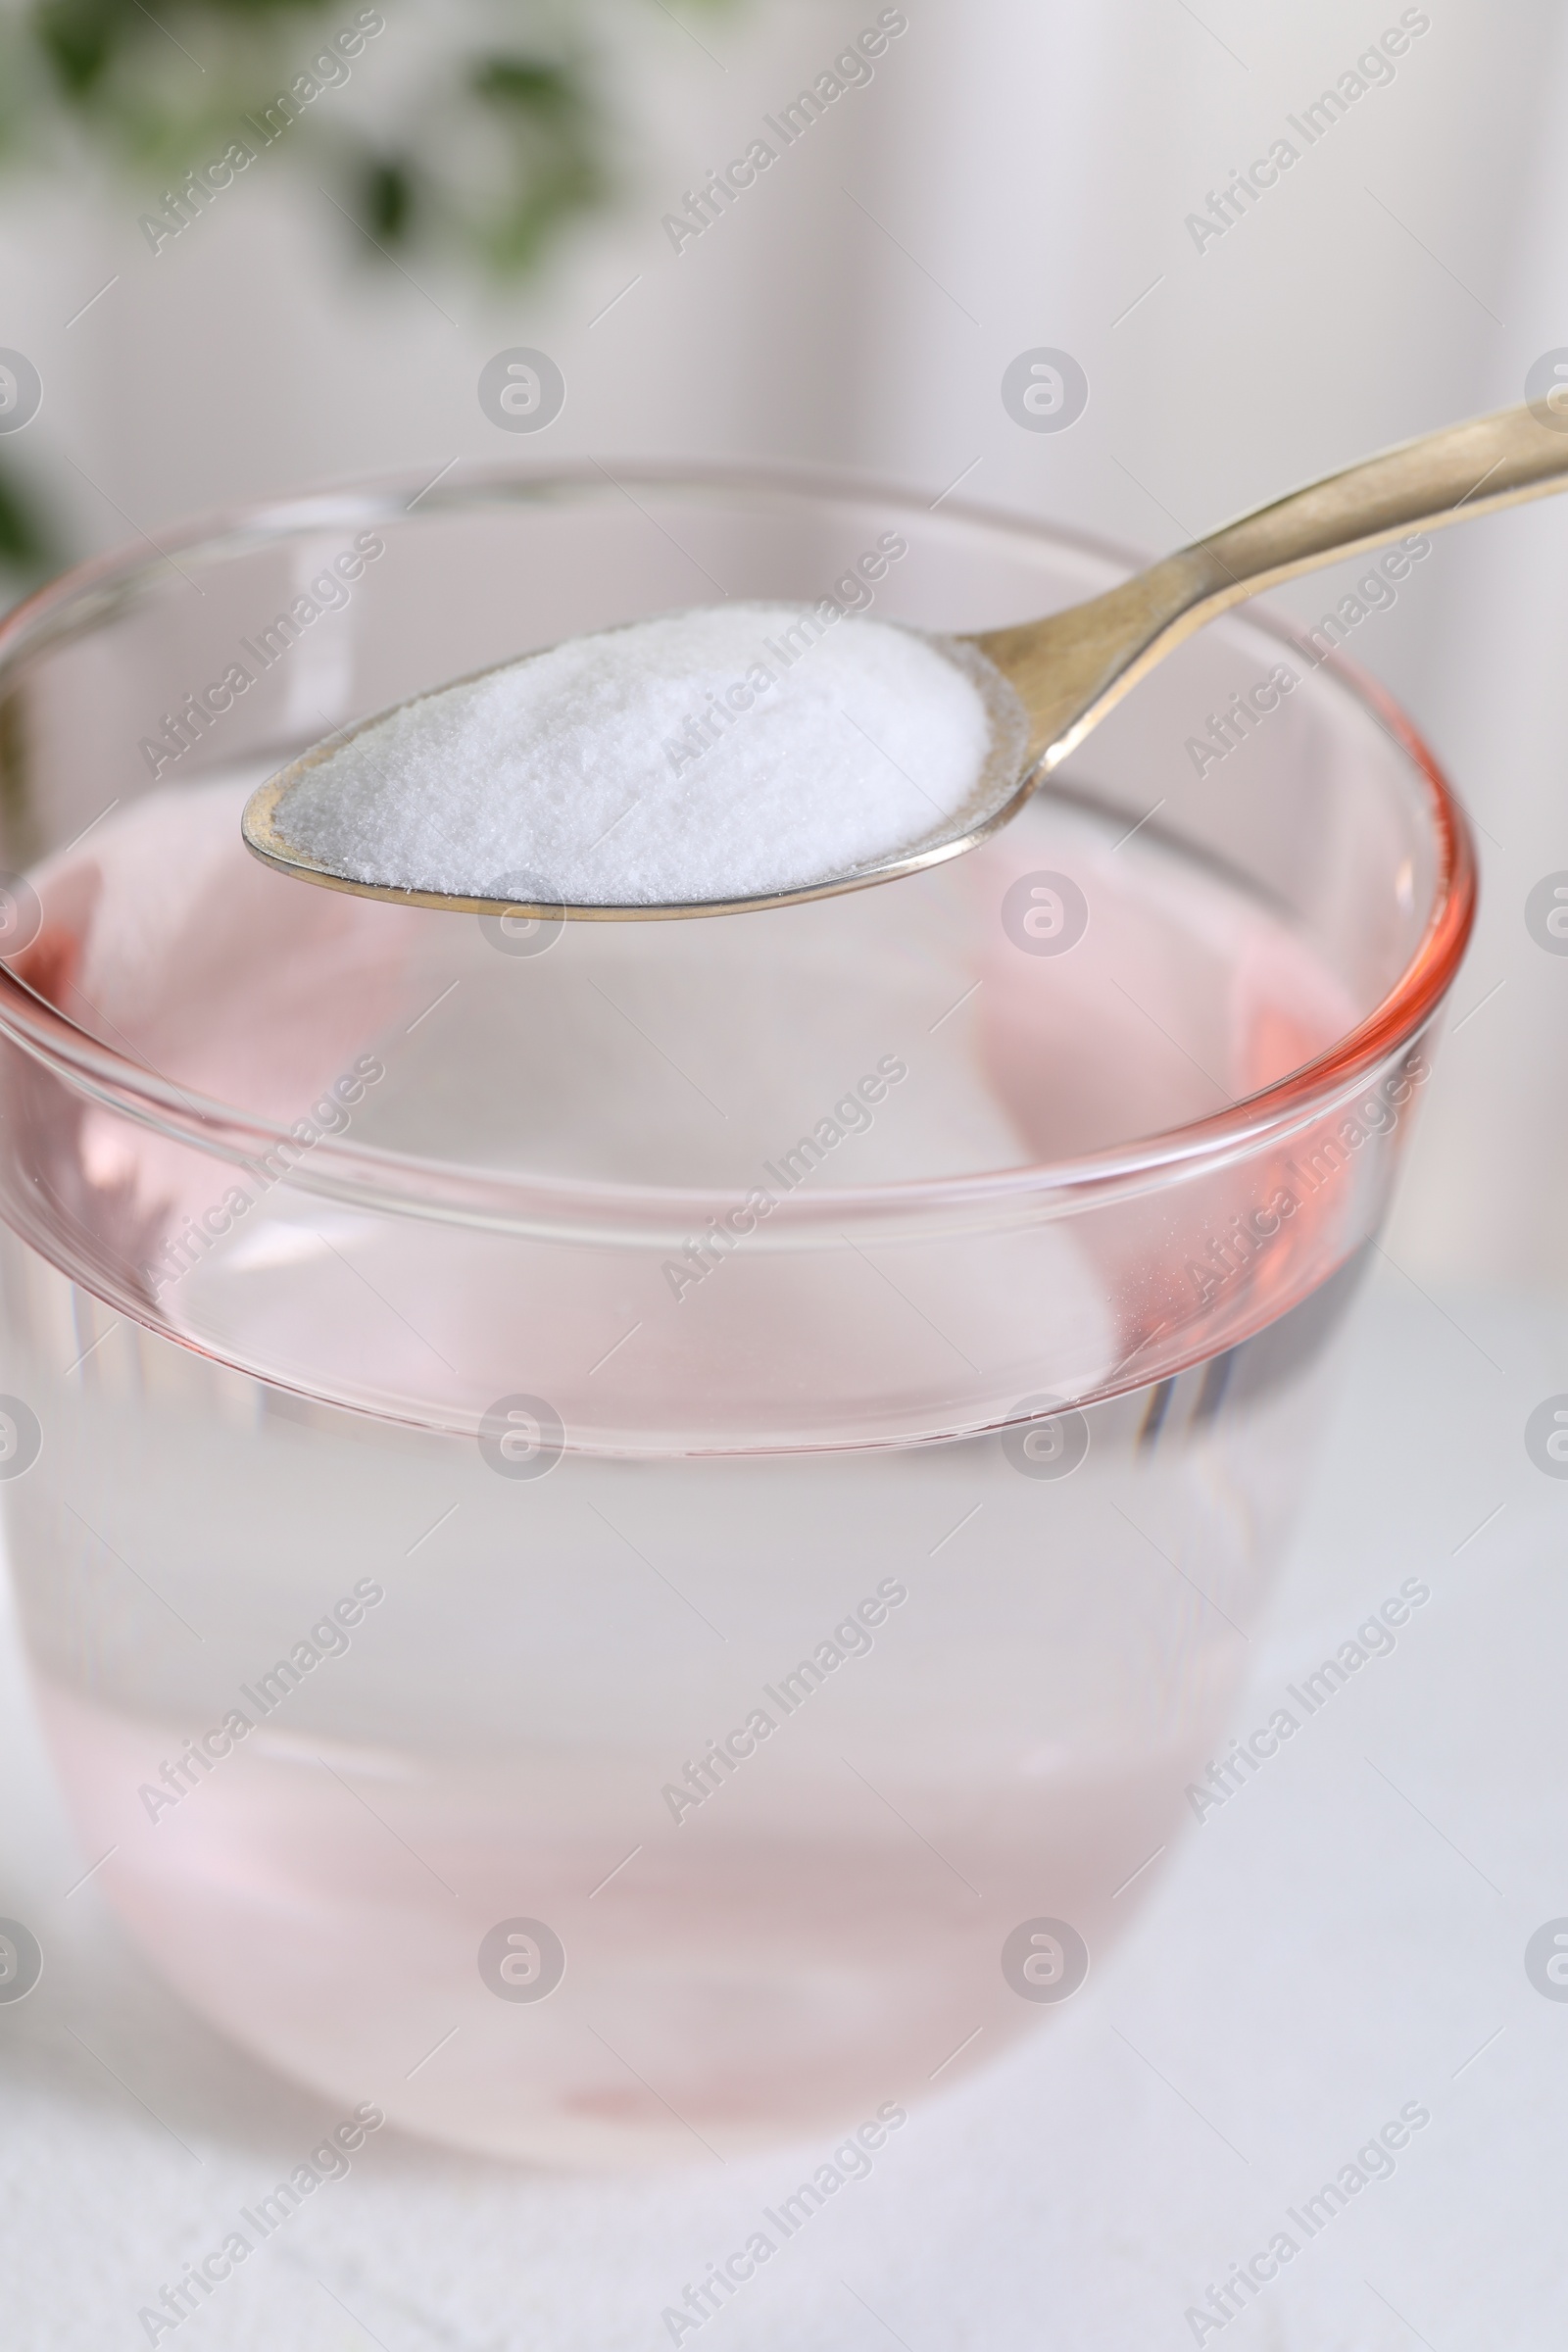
1017,173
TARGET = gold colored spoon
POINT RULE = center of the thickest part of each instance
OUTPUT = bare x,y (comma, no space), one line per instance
1049,682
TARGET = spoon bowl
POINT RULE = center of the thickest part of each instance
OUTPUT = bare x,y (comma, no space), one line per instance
1006,781
1047,683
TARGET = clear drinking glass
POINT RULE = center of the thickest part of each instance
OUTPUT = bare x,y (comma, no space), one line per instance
628,1533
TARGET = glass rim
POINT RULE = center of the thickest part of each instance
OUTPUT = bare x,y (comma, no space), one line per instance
449,1191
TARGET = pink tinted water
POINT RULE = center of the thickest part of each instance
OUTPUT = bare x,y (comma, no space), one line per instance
823,1931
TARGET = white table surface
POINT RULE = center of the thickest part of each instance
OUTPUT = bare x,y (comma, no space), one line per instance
1344,1937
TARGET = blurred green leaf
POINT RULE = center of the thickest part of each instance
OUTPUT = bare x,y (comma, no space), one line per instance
387,200
78,37
28,543
506,146
507,141
522,83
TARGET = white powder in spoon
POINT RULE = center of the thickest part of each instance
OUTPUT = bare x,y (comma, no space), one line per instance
720,754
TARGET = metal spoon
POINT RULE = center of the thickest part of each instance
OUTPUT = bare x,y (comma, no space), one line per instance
1049,682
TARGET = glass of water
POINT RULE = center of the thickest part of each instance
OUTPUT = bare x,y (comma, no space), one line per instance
628,1534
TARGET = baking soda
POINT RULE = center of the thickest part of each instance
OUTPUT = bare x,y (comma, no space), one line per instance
717,754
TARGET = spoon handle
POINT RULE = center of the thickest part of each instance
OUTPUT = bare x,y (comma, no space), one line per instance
1073,667
1463,470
